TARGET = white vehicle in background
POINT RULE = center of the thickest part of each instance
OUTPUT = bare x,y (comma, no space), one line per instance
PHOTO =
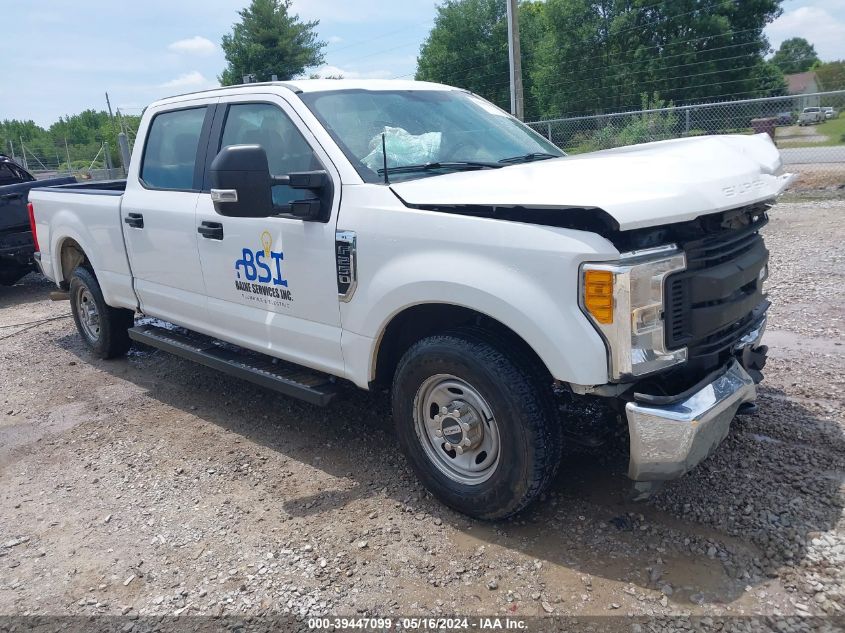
811,116
503,291
830,113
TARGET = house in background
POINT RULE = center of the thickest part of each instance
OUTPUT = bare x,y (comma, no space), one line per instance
804,84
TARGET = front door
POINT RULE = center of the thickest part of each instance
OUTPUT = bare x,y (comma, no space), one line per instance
158,215
271,282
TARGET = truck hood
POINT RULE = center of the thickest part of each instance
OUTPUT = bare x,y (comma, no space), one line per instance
638,186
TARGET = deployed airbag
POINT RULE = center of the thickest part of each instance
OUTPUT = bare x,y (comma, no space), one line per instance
403,148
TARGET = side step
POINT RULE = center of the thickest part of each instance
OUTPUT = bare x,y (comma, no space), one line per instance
287,378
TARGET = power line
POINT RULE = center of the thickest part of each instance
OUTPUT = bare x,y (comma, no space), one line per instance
692,87
659,79
378,37
640,50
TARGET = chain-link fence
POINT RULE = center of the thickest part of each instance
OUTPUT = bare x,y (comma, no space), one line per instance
99,167
808,129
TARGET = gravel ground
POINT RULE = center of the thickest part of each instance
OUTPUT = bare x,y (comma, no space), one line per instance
151,486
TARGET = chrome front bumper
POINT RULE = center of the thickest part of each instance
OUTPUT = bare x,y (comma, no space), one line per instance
669,440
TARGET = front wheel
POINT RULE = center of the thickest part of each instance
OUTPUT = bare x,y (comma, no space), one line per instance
104,329
476,423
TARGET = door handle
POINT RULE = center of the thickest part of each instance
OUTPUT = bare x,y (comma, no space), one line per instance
211,230
11,196
135,220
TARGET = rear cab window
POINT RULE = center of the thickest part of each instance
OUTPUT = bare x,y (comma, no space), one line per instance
170,154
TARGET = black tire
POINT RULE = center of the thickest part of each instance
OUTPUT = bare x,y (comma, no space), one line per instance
519,395
110,338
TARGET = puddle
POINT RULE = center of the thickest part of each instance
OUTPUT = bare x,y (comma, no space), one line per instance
17,431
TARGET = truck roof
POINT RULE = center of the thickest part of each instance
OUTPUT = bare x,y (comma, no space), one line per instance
310,85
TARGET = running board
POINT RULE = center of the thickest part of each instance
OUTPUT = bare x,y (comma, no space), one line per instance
266,371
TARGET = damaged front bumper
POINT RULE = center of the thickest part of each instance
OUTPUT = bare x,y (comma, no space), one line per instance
668,440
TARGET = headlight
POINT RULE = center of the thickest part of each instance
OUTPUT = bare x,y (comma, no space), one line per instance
624,300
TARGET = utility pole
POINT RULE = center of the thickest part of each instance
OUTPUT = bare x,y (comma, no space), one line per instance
23,154
123,144
125,165
515,59
67,153
111,116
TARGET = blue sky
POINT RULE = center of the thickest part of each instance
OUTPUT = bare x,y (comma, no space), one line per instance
63,55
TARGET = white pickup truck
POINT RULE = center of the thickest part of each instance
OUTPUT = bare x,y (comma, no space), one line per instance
505,293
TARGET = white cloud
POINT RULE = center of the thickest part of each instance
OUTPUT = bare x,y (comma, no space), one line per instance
334,71
193,79
334,39
818,26
195,45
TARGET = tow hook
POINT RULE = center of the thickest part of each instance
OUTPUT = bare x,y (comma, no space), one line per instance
753,360
747,408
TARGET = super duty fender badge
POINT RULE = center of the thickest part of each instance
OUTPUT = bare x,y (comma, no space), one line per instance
259,274
346,245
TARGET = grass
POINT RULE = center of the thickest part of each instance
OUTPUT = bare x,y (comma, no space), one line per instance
834,130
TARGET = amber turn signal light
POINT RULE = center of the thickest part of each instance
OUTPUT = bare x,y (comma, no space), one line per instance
598,295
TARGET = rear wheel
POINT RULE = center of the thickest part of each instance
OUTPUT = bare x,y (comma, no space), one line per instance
476,423
104,329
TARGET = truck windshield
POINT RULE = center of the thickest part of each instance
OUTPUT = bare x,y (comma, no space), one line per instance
426,132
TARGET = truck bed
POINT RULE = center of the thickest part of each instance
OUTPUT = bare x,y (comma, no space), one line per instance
102,187
87,213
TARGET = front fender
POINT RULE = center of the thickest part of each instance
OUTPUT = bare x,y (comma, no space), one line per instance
550,322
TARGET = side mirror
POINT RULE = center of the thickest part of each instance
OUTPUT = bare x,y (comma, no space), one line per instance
315,209
240,182
242,187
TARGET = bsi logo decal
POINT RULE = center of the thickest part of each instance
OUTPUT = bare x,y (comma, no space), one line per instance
260,272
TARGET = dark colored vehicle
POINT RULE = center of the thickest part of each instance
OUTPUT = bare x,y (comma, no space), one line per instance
16,245
784,118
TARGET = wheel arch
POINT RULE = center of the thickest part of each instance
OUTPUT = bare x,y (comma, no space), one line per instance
69,255
415,322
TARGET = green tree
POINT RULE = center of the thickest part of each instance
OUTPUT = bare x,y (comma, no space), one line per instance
79,136
594,56
769,80
468,48
795,55
270,41
831,75
602,55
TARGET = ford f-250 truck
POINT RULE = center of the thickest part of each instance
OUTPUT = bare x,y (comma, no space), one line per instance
415,236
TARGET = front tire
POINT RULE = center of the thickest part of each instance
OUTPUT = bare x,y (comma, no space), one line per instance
104,329
477,423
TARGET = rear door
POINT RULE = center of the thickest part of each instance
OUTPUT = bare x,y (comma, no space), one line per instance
272,282
158,214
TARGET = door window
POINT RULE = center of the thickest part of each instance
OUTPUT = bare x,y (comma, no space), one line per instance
170,155
287,150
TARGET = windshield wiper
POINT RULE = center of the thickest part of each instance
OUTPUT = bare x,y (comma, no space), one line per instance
527,158
456,165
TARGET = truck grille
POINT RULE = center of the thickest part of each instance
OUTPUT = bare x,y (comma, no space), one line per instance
719,297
